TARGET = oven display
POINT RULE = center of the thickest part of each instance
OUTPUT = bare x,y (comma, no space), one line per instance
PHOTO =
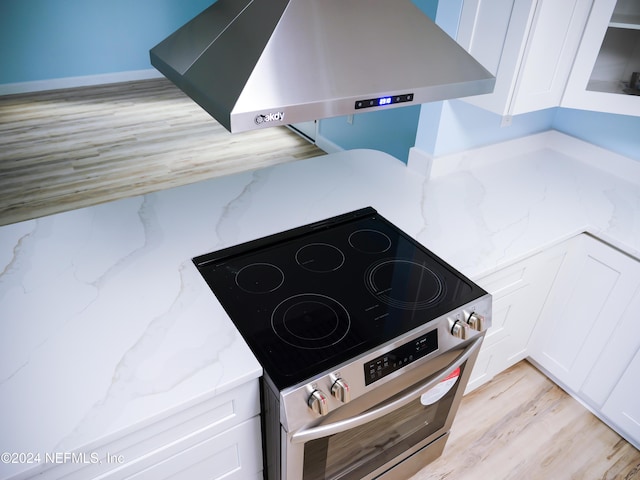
400,357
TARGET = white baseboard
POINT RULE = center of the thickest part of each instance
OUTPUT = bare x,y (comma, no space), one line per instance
327,145
487,154
83,81
582,150
616,164
420,161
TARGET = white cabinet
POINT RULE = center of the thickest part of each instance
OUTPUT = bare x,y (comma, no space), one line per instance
573,310
586,337
591,294
212,439
608,56
617,354
217,439
528,44
519,292
612,385
229,455
623,406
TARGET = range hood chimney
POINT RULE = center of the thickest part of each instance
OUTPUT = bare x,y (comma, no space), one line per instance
259,63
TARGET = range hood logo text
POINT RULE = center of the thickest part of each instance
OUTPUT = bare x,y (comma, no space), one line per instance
269,117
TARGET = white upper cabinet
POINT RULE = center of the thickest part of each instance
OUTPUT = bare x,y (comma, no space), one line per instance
608,56
528,44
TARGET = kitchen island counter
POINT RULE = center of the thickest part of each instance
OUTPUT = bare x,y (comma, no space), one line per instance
107,326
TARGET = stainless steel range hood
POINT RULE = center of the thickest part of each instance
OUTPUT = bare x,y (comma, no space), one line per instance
258,63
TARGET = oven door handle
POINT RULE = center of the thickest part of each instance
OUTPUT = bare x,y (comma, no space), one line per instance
314,433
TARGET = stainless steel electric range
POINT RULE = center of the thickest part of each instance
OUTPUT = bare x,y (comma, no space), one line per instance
367,341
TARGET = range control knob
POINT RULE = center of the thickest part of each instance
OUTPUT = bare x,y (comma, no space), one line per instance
317,402
459,330
340,390
476,321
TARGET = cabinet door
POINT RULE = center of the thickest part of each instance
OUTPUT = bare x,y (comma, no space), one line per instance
619,352
608,55
495,33
551,48
623,406
528,44
593,290
519,292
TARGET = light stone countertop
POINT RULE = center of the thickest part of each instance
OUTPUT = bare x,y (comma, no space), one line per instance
511,200
106,325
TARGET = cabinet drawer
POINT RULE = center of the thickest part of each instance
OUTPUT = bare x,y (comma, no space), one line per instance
519,292
144,446
232,455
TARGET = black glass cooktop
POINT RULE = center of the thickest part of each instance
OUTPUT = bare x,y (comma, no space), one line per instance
308,299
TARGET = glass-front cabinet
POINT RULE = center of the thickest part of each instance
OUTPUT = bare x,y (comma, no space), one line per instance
606,72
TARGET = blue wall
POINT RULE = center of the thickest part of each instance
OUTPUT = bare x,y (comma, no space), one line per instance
429,7
619,133
50,39
453,126
390,131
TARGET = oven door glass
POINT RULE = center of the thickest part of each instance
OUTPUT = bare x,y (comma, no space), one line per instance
357,452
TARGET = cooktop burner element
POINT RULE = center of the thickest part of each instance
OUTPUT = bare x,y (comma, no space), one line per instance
404,284
310,321
311,298
259,278
370,241
320,257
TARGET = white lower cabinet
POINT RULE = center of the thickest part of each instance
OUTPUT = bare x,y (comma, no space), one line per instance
573,311
230,455
519,292
617,355
586,337
622,407
222,440
589,300
215,438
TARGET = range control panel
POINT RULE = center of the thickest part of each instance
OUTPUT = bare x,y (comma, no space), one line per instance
400,357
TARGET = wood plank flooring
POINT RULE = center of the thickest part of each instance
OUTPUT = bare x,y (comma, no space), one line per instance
67,149
522,426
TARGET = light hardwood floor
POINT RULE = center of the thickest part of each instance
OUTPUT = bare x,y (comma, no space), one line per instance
67,149
522,426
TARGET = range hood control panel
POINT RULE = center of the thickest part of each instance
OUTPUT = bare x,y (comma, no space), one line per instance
382,101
